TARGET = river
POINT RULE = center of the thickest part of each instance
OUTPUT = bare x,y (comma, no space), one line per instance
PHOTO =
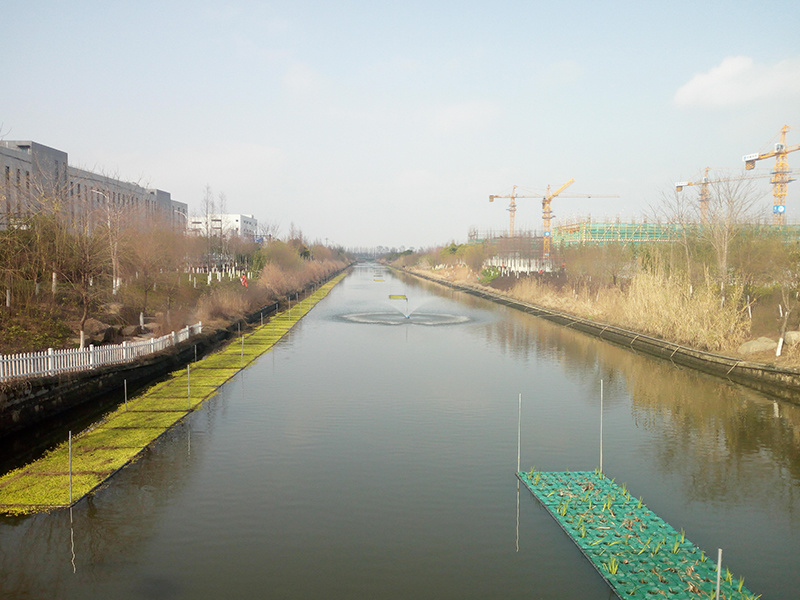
370,455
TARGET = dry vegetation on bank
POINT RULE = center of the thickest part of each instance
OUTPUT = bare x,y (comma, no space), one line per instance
59,272
712,288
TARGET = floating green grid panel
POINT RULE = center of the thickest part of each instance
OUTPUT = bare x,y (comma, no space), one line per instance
110,437
199,388
178,405
45,490
143,419
633,549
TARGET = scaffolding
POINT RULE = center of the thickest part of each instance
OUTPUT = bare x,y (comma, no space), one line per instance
587,231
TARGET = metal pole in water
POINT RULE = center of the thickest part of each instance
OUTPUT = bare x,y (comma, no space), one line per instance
601,426
519,430
719,571
241,356
126,395
189,387
70,468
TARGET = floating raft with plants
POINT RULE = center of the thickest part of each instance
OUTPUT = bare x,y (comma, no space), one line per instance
65,475
634,550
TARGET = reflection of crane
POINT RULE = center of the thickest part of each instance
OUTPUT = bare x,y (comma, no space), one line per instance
512,208
780,176
705,192
547,214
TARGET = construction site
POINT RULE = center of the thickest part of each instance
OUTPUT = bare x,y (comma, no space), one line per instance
535,251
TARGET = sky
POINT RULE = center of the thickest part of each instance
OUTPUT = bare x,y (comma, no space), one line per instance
390,123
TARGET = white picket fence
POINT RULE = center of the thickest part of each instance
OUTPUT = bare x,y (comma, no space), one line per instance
53,362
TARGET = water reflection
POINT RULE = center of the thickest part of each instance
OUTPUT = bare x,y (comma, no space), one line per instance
106,530
710,433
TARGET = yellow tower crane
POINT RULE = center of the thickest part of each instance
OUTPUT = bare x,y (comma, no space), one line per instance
512,207
705,193
547,213
780,176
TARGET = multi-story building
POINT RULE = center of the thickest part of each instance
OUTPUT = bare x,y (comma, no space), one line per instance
225,225
34,178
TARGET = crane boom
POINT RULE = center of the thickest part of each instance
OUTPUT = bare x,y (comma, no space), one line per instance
705,193
780,176
547,213
512,207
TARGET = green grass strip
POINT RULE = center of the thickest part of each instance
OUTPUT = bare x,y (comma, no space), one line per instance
634,550
106,447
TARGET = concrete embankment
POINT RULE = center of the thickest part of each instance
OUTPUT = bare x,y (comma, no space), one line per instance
775,381
74,469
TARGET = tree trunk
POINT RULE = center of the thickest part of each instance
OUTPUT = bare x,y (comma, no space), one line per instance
783,331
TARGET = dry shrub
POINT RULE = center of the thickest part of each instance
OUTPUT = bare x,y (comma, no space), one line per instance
653,304
221,305
279,281
579,301
670,308
228,303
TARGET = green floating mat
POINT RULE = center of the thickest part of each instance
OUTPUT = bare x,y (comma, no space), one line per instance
634,550
101,451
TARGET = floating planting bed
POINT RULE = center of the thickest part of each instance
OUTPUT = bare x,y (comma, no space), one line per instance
635,551
103,449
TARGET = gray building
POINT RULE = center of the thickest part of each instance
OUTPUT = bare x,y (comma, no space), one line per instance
36,178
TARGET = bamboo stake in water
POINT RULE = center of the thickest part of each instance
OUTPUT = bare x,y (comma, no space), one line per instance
519,429
719,571
70,467
601,426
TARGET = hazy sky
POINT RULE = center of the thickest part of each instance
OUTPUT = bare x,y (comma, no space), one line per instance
390,123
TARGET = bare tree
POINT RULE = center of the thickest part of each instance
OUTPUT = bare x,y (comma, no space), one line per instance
731,205
268,231
682,212
208,209
83,259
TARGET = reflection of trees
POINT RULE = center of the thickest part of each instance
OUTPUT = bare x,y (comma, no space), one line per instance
35,551
721,439
725,441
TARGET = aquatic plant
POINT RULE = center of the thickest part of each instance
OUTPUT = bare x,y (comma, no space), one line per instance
612,565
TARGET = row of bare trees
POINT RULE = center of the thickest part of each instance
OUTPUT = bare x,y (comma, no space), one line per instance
86,257
113,258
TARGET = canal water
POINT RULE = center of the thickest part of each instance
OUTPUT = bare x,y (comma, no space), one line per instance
372,454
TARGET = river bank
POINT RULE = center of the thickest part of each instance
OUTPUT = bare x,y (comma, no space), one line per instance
783,382
73,470
36,413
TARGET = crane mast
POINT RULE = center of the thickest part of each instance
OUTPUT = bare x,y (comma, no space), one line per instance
705,192
547,216
547,213
512,207
780,176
